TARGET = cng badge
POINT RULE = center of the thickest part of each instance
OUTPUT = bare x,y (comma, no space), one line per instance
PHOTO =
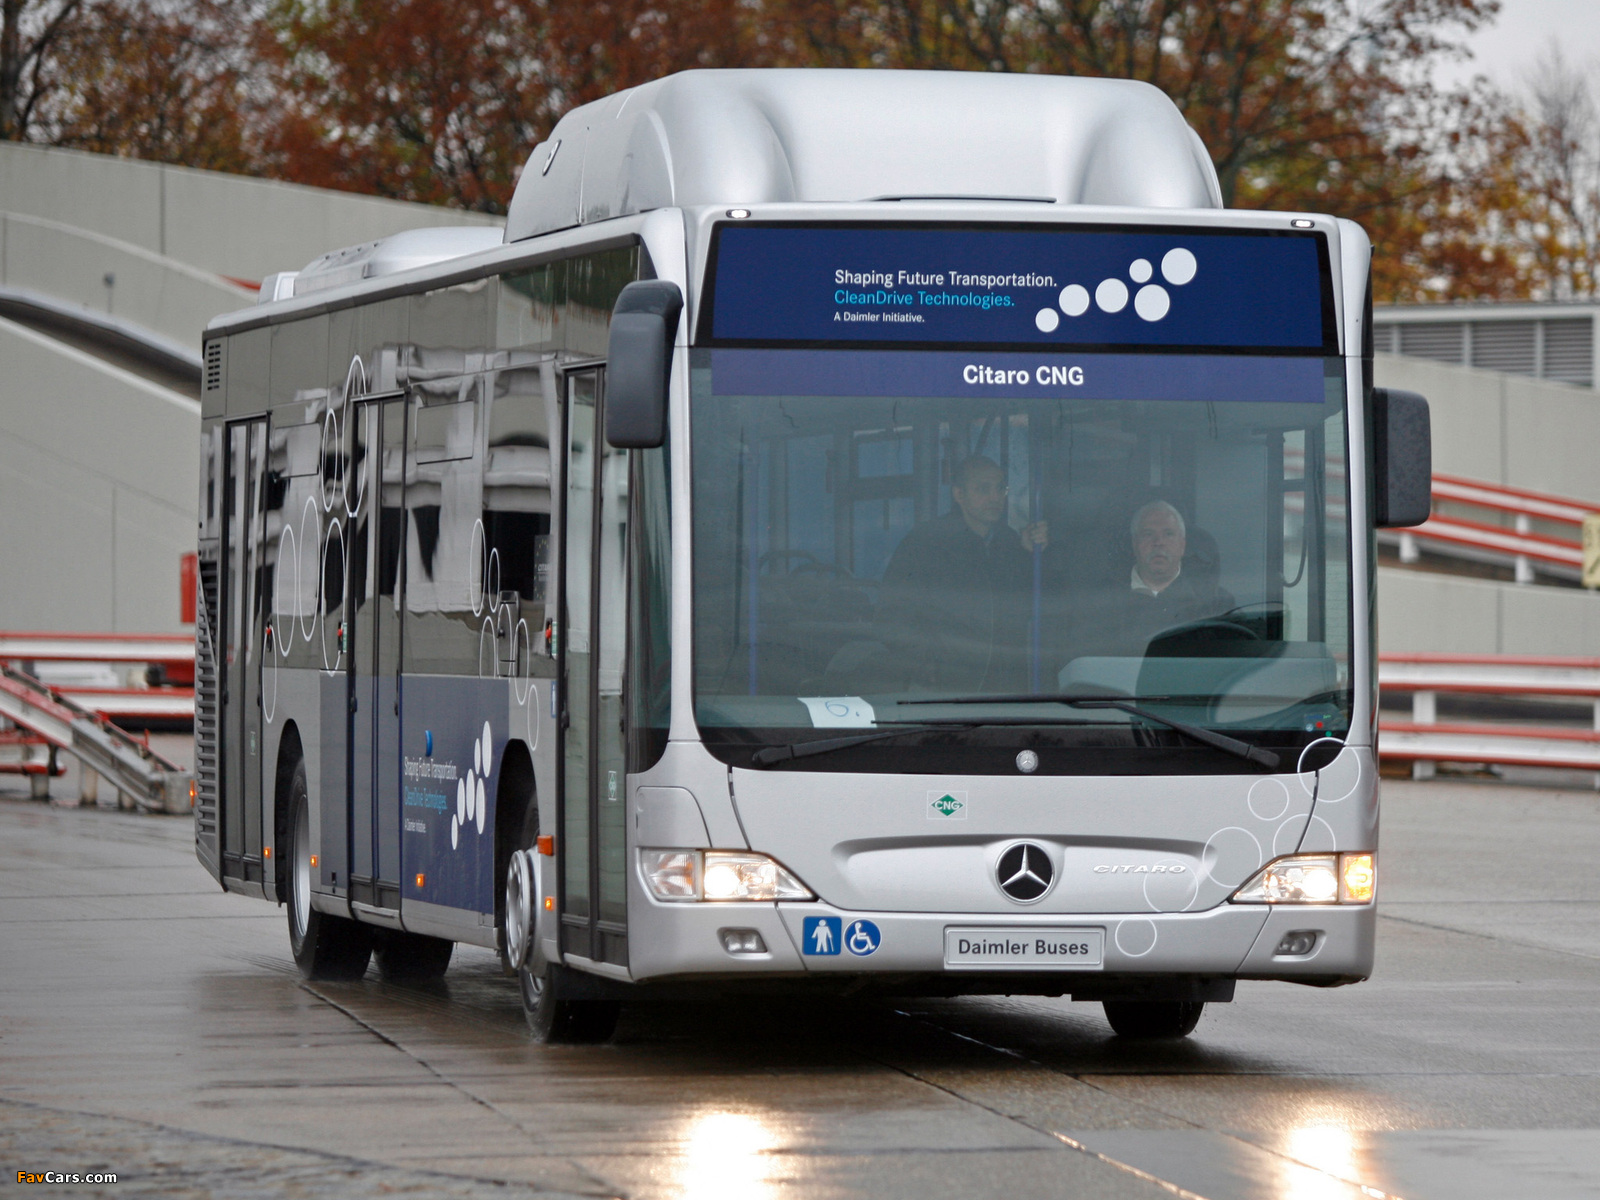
947,806
862,938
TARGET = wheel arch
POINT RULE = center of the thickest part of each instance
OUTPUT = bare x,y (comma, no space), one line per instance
290,752
516,796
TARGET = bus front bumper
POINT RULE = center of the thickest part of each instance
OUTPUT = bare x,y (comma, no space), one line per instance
1312,944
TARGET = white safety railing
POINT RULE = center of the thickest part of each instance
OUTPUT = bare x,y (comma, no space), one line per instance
1558,550
1425,741
128,696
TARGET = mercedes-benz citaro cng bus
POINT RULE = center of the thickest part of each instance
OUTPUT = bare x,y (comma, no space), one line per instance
867,530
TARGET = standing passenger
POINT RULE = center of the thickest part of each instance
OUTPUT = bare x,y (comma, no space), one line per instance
956,595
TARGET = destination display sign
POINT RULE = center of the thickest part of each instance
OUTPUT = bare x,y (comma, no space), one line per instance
1192,288
992,374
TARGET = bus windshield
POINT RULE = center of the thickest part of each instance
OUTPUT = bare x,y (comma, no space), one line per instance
972,545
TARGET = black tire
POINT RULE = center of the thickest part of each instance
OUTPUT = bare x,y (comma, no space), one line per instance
324,947
553,1014
412,957
1154,1018
557,1019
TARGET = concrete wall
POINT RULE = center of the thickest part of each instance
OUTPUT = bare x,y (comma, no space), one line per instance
1421,611
69,264
98,487
1506,429
226,224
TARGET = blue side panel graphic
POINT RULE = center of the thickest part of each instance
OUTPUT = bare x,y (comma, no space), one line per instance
448,796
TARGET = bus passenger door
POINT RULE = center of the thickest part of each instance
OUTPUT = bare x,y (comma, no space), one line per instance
372,631
592,642
239,665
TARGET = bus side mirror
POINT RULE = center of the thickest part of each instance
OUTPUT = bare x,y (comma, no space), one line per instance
638,363
1402,459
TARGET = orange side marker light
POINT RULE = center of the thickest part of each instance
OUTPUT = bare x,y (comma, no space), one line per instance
547,844
194,792
421,879
266,852
549,904
313,860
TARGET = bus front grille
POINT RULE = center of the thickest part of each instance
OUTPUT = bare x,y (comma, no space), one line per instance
207,707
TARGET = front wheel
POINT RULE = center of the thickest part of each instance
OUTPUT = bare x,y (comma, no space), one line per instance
324,946
556,1017
1154,1018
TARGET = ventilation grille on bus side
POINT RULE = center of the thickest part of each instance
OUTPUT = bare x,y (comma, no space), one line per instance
214,366
207,708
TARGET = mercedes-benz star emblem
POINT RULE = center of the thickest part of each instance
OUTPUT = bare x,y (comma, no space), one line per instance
1024,872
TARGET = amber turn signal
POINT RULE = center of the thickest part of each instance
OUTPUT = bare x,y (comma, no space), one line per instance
421,879
549,904
313,860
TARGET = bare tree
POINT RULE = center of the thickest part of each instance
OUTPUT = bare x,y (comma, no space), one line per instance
1561,178
29,32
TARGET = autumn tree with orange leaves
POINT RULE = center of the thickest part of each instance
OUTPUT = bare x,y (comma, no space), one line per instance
1317,105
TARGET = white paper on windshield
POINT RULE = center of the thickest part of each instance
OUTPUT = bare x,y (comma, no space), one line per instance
839,712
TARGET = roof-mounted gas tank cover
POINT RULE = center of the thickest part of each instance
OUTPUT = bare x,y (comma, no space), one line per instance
749,137
402,251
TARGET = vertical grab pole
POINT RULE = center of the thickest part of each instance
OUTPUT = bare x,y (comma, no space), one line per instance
1035,511
752,516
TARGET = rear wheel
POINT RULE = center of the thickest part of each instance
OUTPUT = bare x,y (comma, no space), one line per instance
412,957
1154,1018
553,1014
324,946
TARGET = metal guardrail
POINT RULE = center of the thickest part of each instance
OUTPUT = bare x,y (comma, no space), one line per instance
1425,741
152,782
172,653
1558,553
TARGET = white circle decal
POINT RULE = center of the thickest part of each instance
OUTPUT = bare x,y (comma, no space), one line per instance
1140,270
1074,299
461,799
1268,799
1178,266
482,806
1047,320
1230,856
1135,937
1111,295
1152,302
455,833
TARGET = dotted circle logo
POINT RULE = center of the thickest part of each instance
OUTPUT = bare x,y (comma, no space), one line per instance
1151,302
472,805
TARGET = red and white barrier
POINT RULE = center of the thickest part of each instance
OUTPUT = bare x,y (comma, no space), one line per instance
1425,741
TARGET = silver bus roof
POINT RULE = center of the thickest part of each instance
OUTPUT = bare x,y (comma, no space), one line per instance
761,136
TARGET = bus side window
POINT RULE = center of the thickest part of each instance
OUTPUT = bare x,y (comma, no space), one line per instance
517,507
449,573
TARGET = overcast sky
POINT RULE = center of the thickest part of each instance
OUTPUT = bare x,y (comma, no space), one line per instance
1507,49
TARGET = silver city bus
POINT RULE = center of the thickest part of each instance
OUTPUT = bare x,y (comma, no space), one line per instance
869,530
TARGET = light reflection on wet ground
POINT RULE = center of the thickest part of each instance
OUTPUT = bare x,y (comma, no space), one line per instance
154,1026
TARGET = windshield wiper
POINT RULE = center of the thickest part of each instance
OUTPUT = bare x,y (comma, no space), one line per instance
769,756
1207,737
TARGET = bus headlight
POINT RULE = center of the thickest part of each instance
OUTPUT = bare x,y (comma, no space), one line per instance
719,875
1312,879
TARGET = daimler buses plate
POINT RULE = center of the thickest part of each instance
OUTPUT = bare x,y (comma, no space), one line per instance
1024,948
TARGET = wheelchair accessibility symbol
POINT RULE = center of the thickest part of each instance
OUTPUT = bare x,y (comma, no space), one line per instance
862,938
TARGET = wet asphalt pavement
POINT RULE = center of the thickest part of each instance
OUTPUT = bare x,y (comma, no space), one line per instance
154,1027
